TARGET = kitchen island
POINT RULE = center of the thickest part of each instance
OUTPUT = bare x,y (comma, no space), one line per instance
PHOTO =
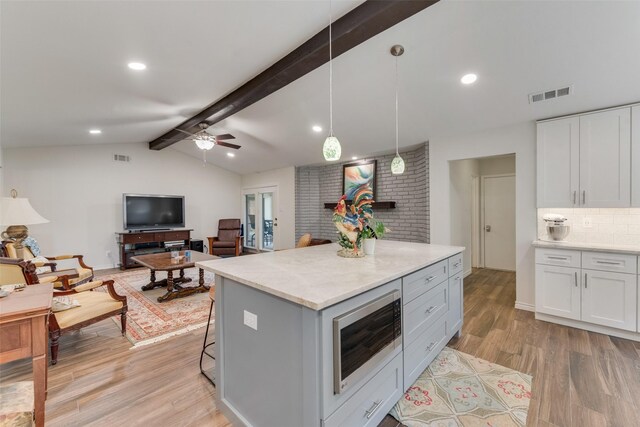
306,338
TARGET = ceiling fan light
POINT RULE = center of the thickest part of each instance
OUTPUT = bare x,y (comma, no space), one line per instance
331,149
397,165
204,144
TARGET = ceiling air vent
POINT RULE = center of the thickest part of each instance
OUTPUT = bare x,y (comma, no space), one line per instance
121,158
550,94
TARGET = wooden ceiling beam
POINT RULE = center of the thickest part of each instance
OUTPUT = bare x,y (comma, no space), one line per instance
360,24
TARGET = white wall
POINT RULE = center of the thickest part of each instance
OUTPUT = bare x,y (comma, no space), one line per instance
519,139
79,189
500,165
285,180
461,210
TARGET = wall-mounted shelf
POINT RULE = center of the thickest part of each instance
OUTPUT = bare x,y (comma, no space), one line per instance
375,205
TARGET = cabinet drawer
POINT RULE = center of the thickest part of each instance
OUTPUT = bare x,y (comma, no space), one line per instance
172,235
415,284
138,238
620,263
369,405
560,257
423,311
455,264
423,350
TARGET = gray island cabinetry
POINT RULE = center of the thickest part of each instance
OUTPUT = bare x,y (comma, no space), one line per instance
306,338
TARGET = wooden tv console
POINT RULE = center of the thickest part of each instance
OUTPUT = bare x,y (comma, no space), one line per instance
149,242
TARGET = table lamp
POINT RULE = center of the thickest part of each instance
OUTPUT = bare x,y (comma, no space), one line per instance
18,210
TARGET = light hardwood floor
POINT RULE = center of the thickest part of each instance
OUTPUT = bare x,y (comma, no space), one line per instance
580,378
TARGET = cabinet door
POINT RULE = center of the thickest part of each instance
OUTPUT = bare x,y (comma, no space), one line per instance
609,299
605,150
558,291
456,309
635,156
558,163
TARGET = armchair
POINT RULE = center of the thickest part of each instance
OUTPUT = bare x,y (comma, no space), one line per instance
84,272
228,241
94,306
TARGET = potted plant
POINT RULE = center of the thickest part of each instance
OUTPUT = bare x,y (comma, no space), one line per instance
373,230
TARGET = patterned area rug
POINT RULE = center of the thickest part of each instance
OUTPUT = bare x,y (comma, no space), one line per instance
149,321
461,390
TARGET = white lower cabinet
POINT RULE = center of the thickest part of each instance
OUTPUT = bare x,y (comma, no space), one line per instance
558,291
591,296
609,299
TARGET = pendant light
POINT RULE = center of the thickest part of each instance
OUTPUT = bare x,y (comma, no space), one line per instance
331,148
397,164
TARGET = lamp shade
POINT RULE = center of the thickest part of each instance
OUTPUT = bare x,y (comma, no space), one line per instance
18,211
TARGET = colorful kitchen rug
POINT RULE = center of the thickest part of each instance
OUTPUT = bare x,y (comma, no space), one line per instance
463,391
149,321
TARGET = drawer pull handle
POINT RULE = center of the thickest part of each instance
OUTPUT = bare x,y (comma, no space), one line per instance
557,257
430,347
576,273
585,280
430,309
456,264
369,413
608,262
428,279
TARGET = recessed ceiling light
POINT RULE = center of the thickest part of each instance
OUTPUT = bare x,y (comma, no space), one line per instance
317,128
95,131
468,79
138,66
354,158
230,155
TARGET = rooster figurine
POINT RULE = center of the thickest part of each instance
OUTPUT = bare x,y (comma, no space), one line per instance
350,221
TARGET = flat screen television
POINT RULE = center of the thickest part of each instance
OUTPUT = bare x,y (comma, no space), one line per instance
152,212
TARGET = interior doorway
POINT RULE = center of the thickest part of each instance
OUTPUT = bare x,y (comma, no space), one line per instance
260,223
483,216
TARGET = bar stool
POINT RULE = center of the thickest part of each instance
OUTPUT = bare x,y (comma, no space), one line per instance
205,345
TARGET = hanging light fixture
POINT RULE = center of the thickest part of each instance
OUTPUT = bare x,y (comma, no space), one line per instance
331,148
397,164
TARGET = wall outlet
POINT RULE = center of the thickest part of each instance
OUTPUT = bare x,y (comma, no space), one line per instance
251,320
586,222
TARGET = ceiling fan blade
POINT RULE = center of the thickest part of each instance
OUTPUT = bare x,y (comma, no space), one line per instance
184,131
224,136
226,144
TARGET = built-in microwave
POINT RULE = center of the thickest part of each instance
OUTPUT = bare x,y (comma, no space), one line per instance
363,337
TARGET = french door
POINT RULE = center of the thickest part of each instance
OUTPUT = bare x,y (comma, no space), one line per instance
260,221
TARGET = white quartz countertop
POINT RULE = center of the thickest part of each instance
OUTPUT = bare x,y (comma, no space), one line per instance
595,247
316,277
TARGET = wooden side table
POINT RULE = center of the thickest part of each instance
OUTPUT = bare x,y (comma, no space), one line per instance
23,333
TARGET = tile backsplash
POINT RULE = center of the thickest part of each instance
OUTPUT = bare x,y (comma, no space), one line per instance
619,226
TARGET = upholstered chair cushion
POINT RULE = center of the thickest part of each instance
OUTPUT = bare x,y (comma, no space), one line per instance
304,241
10,274
92,304
228,235
12,252
229,224
16,404
226,244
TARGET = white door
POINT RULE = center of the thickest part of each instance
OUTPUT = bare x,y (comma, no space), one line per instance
635,156
605,150
558,163
558,291
609,299
499,221
260,218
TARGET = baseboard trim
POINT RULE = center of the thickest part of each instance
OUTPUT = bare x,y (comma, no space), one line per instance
525,306
589,327
467,273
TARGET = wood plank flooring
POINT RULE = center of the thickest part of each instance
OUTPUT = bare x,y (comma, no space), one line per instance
580,378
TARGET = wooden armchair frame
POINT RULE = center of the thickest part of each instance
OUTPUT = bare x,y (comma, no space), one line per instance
55,331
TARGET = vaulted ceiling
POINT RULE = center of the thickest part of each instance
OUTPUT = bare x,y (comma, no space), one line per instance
64,71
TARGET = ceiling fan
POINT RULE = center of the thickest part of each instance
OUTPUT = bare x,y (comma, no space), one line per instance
205,141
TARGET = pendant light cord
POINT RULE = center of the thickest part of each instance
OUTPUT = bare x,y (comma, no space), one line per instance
397,106
330,73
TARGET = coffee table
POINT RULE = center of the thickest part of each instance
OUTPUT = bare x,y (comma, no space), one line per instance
164,262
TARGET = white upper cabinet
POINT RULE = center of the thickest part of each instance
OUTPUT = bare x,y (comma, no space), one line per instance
558,163
605,165
635,156
585,161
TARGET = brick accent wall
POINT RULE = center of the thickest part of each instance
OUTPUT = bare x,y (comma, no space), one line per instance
409,221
